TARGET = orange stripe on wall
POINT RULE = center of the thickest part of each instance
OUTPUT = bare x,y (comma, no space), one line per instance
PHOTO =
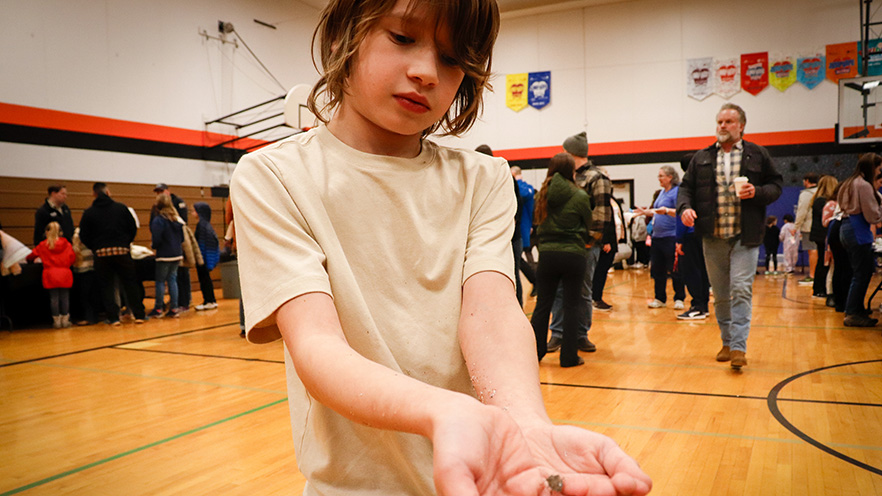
675,144
68,121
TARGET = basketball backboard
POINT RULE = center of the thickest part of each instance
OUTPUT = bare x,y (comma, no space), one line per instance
860,119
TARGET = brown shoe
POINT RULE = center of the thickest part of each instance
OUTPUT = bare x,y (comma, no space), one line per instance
739,359
724,355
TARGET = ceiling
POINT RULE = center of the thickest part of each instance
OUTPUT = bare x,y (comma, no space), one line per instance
516,7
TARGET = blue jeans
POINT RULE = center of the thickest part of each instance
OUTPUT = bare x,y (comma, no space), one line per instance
166,272
860,255
586,307
731,268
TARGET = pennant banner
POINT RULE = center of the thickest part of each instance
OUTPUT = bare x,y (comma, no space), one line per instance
698,77
810,70
754,72
727,77
540,89
841,61
874,62
516,91
782,71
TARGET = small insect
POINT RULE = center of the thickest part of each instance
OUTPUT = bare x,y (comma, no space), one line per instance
555,482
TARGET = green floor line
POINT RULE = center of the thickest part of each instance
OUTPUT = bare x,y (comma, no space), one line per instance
159,378
709,434
136,450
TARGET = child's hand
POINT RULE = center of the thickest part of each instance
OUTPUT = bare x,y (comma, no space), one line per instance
489,454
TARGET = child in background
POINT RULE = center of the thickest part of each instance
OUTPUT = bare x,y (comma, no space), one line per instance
384,261
206,238
790,236
57,256
771,242
168,238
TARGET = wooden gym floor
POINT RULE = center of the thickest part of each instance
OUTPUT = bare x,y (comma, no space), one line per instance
184,406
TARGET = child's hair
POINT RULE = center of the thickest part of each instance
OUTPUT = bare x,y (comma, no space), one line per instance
562,164
788,218
771,220
344,24
165,208
53,232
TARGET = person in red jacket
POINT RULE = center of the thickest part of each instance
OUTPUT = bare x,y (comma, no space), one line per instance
57,255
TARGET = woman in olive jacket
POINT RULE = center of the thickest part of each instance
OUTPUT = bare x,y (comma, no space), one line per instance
563,214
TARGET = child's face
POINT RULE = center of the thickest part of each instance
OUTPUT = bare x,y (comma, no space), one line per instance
403,79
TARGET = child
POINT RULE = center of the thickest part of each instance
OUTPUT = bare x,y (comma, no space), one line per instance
84,280
168,237
771,243
790,236
57,256
419,374
206,238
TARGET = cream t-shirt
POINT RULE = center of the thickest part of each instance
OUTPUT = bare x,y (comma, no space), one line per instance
391,240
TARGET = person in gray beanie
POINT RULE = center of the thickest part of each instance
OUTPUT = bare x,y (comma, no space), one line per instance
599,188
577,145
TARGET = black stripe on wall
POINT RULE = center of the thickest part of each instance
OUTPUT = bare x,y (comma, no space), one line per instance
803,150
86,141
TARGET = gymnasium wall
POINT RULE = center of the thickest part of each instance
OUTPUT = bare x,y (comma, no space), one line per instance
119,90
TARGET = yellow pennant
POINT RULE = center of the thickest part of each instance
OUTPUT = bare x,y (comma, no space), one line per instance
516,91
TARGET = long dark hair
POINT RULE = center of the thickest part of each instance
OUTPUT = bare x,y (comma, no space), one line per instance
562,164
866,169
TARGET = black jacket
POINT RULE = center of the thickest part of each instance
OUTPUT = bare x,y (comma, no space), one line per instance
107,224
698,191
46,214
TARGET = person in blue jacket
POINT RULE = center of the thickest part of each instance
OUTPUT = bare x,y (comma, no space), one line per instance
206,238
167,230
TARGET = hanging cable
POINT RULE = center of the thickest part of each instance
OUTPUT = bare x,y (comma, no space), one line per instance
258,60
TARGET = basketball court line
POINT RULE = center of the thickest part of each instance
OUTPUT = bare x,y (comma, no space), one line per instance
138,449
181,333
203,355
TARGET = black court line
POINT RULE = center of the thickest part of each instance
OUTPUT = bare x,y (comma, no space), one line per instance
713,395
202,355
182,333
776,412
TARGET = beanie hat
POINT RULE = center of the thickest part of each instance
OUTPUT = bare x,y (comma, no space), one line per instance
577,145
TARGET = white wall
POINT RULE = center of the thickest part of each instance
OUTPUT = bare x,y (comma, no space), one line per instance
618,72
143,61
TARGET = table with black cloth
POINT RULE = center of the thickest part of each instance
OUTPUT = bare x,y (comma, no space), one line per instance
24,302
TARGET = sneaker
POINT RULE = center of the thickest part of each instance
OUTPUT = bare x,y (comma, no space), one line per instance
140,321
205,306
553,344
806,281
602,306
115,323
819,295
174,312
679,305
586,345
579,361
155,314
831,301
656,304
692,314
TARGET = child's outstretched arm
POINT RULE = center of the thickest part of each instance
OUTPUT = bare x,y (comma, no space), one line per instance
499,348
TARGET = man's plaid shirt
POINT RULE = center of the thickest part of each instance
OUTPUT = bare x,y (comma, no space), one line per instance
728,222
599,188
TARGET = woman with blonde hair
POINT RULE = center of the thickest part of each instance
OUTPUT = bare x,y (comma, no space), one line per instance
168,236
818,233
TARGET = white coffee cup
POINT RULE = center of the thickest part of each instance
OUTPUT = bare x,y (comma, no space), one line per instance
740,182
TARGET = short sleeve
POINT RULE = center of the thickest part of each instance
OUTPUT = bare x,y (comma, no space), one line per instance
491,225
279,258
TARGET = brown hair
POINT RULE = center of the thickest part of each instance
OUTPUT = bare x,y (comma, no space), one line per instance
344,24
165,208
562,164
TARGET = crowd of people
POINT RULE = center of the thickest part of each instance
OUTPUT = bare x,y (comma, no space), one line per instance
90,270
